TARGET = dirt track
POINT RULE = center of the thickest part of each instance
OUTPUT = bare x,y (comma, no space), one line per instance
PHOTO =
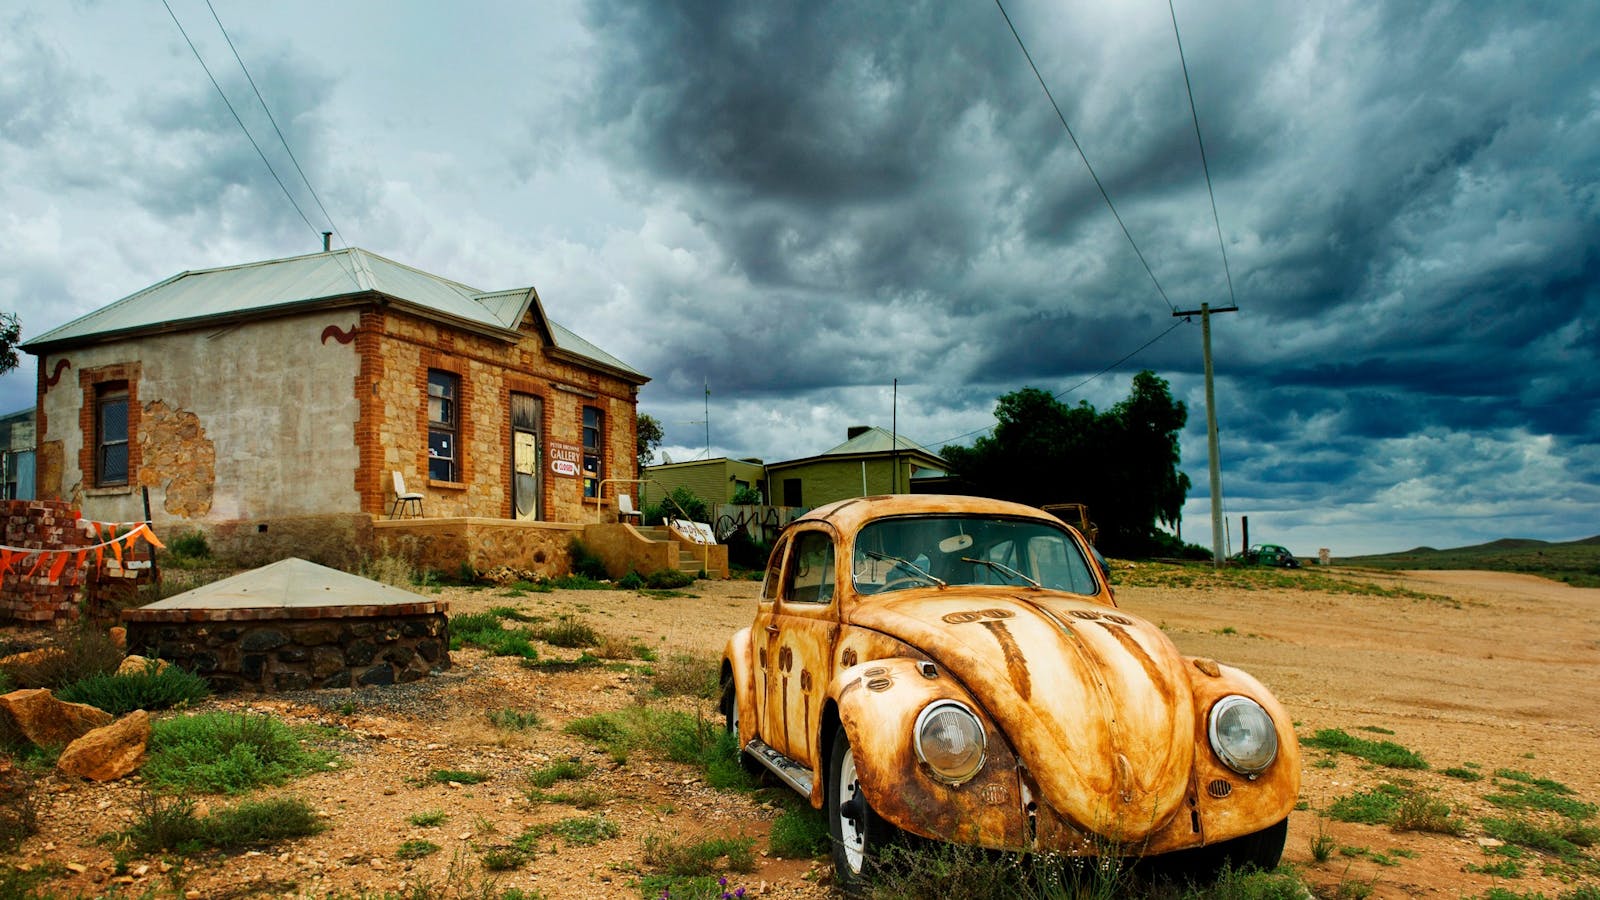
1502,671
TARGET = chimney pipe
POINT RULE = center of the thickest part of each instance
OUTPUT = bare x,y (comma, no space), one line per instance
327,238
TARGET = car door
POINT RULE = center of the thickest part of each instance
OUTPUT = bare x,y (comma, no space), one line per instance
807,620
764,634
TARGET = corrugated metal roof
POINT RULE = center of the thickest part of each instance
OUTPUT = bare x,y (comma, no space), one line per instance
194,297
877,440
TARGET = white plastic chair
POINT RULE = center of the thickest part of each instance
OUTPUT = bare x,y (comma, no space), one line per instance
403,500
625,510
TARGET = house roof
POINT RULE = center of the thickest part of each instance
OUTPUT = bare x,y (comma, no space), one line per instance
877,440
245,291
873,441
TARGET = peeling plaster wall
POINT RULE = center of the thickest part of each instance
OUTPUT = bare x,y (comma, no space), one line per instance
245,422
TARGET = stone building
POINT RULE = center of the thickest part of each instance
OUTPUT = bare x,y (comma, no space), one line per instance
271,404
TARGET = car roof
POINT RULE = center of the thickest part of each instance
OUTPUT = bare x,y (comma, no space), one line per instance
848,515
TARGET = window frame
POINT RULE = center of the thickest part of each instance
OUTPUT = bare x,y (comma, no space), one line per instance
107,394
594,455
446,425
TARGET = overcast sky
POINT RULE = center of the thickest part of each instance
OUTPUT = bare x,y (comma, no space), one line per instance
797,204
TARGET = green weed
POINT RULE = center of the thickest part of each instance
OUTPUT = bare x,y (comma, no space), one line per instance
428,818
443,776
147,690
563,770
1384,753
416,849
226,753
701,857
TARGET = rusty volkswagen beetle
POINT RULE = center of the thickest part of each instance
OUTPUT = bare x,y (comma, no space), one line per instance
957,668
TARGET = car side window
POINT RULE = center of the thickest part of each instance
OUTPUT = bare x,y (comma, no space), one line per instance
811,568
774,583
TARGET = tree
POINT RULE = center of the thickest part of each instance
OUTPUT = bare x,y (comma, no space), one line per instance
649,433
1123,463
10,337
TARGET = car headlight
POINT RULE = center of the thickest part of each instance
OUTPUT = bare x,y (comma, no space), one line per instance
1242,734
950,739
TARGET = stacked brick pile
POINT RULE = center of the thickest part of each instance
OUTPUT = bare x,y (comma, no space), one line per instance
40,525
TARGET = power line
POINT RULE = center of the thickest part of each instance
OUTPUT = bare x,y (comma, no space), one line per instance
1233,301
226,102
1064,391
270,118
1081,155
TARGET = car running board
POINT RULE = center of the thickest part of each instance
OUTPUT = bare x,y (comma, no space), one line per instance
790,772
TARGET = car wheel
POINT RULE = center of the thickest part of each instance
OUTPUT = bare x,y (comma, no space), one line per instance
730,723
858,834
1260,850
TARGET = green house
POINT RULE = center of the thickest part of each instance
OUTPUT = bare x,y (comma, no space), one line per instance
871,461
712,480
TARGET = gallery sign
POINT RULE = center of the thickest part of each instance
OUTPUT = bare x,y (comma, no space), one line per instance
565,458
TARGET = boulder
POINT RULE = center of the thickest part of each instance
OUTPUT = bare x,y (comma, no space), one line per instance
31,658
49,722
138,665
109,752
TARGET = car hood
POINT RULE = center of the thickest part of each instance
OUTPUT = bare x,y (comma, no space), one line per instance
1097,703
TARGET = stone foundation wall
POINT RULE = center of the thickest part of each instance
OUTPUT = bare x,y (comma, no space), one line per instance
443,545
40,525
336,541
297,654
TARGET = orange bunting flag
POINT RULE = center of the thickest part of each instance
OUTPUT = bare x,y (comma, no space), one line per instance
81,555
116,549
38,561
151,537
58,565
132,538
5,561
99,557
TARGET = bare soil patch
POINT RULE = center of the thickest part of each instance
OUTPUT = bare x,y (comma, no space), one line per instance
1502,671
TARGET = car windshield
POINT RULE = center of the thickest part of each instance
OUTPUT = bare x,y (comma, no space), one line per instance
921,551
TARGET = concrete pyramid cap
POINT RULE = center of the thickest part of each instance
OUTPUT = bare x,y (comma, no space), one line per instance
287,589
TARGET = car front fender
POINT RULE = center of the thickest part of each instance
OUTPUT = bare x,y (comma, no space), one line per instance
738,663
878,703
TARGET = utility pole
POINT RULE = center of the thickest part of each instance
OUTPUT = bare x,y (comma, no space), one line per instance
1205,312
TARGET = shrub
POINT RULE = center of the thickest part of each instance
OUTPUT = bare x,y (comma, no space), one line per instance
189,545
687,675
688,503
699,857
443,776
170,823
668,579
564,770
486,632
19,806
631,581
567,632
150,689
799,833
586,564
514,720
225,753
580,831
85,651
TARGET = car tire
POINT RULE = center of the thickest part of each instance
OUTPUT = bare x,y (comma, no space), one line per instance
1260,850
730,723
857,834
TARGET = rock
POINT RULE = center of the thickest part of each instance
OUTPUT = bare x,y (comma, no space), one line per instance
49,722
31,658
108,753
138,665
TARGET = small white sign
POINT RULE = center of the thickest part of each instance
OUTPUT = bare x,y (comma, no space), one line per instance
564,467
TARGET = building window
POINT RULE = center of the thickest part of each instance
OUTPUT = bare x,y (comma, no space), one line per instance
111,436
593,450
444,426
791,492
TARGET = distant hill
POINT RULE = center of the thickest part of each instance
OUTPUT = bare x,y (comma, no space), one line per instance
1575,562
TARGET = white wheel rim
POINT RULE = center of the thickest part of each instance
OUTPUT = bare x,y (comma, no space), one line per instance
852,833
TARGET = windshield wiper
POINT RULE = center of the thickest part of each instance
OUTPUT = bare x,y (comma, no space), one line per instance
908,565
1001,567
